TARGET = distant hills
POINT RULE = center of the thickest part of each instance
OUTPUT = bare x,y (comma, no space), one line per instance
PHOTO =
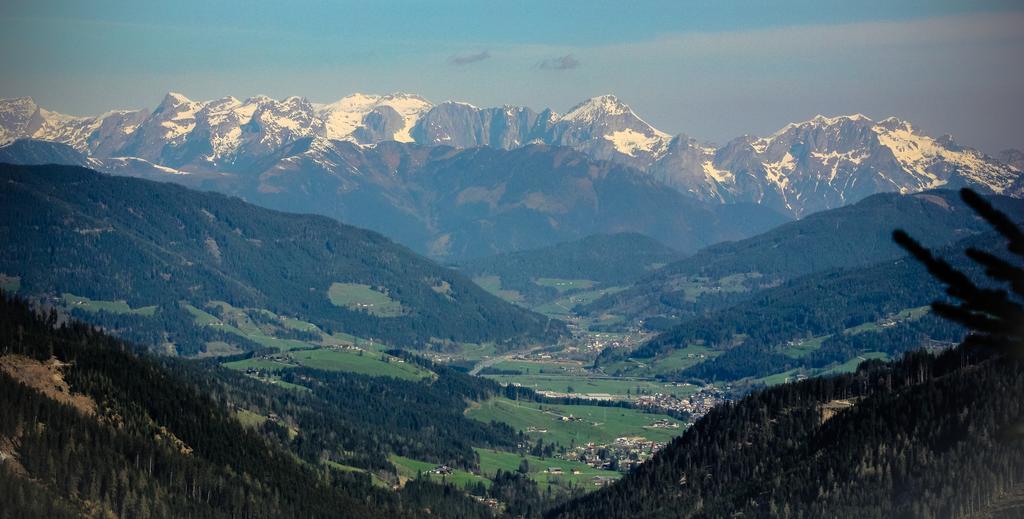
72,230
93,426
891,440
857,235
450,203
804,167
605,258
595,261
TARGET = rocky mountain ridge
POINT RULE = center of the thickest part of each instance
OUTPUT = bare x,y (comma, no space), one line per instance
804,167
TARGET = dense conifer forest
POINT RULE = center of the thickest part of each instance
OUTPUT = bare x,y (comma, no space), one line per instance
925,436
72,230
154,445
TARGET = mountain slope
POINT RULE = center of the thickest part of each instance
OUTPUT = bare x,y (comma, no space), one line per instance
91,429
596,262
828,162
605,258
459,204
893,440
822,163
851,236
71,230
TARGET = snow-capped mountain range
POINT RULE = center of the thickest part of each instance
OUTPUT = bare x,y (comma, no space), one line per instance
821,163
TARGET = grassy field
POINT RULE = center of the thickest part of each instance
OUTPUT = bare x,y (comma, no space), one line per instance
851,365
583,385
298,324
803,347
117,307
492,460
241,325
249,418
409,468
528,367
907,314
780,378
588,424
697,286
674,360
363,297
563,306
219,349
369,363
565,285
492,284
10,284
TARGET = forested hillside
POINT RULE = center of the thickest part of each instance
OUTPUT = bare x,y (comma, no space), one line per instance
857,235
88,428
819,319
154,245
601,260
923,437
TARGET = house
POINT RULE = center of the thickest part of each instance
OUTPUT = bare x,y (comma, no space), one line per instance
554,470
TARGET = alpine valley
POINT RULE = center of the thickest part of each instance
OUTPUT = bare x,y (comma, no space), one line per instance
455,181
386,307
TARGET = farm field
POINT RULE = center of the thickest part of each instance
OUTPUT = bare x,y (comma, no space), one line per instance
851,365
492,284
362,297
563,306
565,285
409,468
800,349
698,286
675,360
539,367
583,385
492,460
369,363
587,423
97,305
907,314
243,327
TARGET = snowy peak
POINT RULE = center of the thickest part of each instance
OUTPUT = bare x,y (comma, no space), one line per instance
821,163
938,162
15,117
606,128
596,108
344,117
827,162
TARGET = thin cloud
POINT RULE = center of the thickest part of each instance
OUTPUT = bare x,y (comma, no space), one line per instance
567,62
466,59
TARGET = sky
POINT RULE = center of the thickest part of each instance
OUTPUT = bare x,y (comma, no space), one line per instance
711,69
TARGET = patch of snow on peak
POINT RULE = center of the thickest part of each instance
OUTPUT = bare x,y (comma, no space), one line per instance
345,116
920,154
630,141
719,175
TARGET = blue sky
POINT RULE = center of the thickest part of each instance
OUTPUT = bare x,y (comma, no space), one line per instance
713,69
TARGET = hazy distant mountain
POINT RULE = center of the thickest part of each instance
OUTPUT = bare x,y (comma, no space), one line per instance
805,167
853,236
73,230
829,162
604,258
